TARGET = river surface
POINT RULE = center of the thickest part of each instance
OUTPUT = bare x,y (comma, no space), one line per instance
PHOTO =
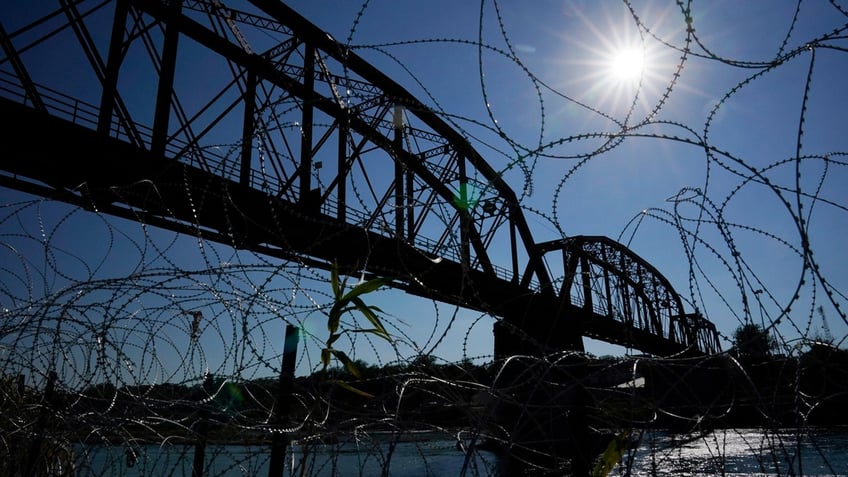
732,453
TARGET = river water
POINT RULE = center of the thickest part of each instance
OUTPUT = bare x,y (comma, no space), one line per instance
743,452
732,453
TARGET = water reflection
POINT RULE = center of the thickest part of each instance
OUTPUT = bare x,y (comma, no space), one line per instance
732,452
740,452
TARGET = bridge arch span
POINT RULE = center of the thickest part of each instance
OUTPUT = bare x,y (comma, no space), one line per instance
327,161
610,282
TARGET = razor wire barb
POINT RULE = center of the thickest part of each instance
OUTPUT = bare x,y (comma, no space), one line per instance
123,358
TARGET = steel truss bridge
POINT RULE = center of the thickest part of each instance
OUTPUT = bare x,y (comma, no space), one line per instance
256,129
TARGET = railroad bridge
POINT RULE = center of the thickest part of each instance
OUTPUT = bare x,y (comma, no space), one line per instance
253,128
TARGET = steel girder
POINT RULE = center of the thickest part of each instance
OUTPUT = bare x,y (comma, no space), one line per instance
317,125
263,132
610,281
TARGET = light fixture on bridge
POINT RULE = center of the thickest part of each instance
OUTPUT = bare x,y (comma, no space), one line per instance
489,207
317,165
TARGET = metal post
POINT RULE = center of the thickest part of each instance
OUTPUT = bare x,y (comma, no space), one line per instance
397,145
586,273
341,170
306,127
513,246
248,128
410,203
464,212
281,408
162,114
113,66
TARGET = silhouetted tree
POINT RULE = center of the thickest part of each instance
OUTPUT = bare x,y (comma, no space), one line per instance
423,362
752,341
824,383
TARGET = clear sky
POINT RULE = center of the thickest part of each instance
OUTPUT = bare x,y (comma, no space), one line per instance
729,154
735,76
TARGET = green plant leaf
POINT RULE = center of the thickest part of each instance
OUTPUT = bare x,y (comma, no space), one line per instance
355,390
366,287
373,331
334,281
333,320
326,355
610,457
348,363
368,312
332,339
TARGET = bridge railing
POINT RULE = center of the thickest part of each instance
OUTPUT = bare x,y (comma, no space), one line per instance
225,165
438,250
85,114
57,103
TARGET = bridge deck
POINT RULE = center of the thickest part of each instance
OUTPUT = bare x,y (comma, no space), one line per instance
79,166
418,223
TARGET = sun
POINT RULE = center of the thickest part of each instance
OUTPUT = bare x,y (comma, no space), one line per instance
626,65
618,68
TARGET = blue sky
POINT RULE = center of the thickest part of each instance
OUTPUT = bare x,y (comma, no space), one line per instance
566,46
541,73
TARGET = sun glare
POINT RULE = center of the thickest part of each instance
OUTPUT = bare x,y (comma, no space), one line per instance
620,69
627,64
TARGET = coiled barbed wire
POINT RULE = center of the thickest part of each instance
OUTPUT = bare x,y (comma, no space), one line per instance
154,341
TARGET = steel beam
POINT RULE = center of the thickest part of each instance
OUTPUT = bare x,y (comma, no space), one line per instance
162,112
547,319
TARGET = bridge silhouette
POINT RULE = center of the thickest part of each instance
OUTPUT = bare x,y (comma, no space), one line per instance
408,196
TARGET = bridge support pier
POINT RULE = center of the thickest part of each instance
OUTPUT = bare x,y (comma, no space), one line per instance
542,402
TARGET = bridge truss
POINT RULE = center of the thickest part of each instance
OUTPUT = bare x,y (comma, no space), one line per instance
256,129
617,287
